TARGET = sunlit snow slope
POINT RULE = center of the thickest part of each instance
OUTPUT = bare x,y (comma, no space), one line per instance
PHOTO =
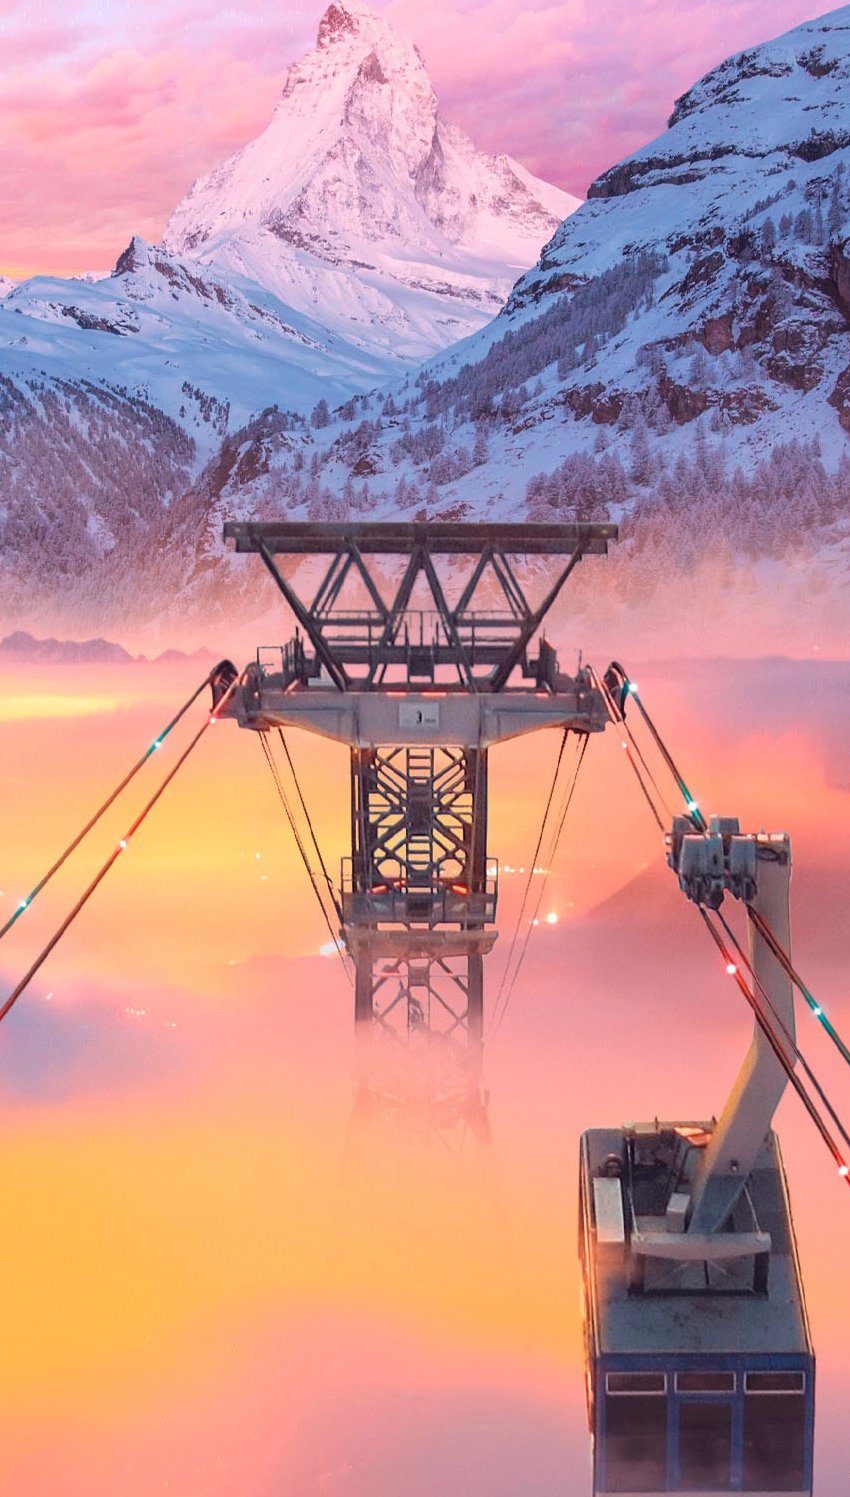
361,206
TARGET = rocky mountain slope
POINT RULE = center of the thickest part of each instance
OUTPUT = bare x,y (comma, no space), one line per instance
700,293
361,205
678,359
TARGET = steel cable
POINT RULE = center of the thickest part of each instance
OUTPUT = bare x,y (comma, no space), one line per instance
115,855
777,1048
754,1003
693,809
528,882
758,919
791,972
101,811
332,891
299,842
632,748
567,802
789,1038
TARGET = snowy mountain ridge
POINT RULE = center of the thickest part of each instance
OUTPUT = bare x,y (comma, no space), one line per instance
358,233
359,199
678,359
207,350
701,293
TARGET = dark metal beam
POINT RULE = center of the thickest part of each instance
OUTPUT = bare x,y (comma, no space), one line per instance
468,593
510,587
399,538
448,620
396,611
368,580
335,670
331,583
502,672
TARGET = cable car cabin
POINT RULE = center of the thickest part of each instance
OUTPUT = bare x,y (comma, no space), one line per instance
700,1371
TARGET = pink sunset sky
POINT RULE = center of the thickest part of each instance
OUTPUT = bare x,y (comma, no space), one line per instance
109,111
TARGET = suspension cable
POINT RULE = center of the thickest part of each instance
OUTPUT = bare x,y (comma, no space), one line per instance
102,809
788,1037
332,890
692,806
784,960
528,882
116,853
565,806
777,1048
695,815
299,843
758,920
633,750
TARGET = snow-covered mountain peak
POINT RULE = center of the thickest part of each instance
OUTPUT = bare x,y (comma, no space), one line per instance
338,21
351,21
360,205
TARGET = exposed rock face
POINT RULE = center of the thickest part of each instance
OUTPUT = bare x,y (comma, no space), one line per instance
745,203
361,200
840,266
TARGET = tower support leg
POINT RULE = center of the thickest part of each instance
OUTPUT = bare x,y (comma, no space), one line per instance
748,1114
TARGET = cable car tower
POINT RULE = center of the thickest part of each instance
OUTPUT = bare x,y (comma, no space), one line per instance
420,673
419,648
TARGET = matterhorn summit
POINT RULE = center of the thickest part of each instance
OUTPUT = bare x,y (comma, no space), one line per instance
361,207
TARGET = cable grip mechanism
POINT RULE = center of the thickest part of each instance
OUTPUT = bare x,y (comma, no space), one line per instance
713,863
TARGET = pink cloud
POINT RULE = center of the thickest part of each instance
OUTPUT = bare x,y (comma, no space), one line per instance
104,123
28,47
91,160
571,88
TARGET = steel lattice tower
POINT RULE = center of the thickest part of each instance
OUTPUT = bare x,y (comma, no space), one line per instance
420,649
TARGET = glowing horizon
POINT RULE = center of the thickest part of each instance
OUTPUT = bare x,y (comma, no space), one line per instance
206,1298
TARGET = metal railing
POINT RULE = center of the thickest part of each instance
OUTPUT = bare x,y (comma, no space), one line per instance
446,900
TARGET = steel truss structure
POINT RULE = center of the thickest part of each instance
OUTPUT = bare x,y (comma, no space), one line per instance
420,647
